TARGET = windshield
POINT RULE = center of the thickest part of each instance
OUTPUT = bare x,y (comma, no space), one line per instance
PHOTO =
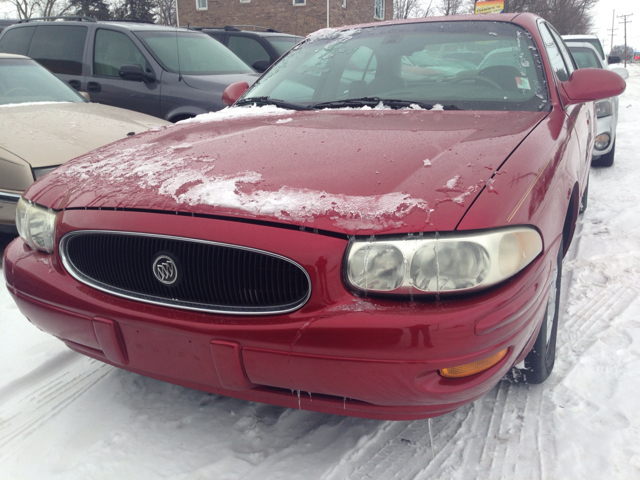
24,81
585,57
198,54
459,65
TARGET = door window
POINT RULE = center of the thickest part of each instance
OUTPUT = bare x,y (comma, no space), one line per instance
556,60
112,50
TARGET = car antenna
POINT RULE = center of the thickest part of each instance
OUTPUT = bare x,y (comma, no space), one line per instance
178,53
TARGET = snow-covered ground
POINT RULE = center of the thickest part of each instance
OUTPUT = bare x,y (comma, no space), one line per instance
65,416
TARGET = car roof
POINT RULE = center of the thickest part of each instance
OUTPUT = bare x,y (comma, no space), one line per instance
13,55
265,32
133,26
518,18
579,37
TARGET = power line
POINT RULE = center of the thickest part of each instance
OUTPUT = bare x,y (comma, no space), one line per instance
625,21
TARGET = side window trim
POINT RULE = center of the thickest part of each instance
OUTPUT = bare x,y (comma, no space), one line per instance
566,55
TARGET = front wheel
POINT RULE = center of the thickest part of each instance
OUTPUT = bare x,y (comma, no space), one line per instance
605,160
539,362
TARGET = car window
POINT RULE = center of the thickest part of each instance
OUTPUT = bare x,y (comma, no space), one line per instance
432,63
598,46
112,50
17,40
59,48
24,81
248,49
556,61
585,57
192,53
564,51
283,44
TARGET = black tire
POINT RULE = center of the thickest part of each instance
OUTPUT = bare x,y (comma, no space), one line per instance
605,160
539,362
585,198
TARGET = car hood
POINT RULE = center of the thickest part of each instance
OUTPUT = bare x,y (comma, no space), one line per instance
48,134
217,83
347,171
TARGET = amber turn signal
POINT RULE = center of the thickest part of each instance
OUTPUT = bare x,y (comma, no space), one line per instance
475,367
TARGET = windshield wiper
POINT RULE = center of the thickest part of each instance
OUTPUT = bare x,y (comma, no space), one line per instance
270,101
374,101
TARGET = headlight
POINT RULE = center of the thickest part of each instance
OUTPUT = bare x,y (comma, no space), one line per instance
604,108
36,225
435,264
38,173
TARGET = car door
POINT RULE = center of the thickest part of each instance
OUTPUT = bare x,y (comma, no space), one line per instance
580,117
111,50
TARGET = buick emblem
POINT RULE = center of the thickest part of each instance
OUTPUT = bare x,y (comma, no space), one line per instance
165,269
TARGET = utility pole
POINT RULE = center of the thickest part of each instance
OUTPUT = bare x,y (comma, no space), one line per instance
625,21
613,29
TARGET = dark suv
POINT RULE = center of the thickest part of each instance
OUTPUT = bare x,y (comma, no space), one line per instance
171,73
258,48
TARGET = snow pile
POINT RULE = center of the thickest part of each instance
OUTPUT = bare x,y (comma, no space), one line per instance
231,113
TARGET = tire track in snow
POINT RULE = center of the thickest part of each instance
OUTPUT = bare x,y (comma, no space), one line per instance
28,409
397,450
490,438
589,318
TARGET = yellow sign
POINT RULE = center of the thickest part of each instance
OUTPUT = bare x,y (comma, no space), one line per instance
491,6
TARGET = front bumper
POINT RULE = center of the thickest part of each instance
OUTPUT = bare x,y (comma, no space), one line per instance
606,125
338,354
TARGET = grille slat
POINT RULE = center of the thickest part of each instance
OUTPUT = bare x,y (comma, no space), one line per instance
213,277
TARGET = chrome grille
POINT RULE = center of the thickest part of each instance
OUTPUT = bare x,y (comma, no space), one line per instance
212,276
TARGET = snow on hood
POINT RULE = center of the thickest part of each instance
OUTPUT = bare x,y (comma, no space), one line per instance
356,172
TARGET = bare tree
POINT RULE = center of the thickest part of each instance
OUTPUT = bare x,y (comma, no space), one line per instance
405,8
567,16
166,12
39,8
450,7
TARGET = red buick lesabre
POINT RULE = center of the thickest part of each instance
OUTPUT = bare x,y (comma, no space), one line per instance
376,228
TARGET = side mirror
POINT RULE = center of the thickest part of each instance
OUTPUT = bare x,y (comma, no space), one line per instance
85,95
590,84
621,71
260,65
233,92
135,73
611,59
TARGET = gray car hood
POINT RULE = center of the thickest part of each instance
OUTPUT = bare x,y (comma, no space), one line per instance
47,134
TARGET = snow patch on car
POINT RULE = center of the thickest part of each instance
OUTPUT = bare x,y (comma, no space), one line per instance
303,205
231,113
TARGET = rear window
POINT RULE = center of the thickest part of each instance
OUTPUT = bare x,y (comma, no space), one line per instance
59,48
283,44
16,40
585,57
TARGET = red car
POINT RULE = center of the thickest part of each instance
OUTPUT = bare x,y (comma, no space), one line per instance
376,228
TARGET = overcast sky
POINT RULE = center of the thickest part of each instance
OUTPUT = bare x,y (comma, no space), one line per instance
603,14
603,21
